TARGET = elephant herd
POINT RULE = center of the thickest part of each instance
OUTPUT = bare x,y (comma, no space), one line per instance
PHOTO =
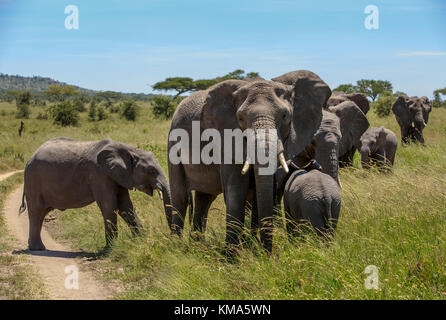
316,132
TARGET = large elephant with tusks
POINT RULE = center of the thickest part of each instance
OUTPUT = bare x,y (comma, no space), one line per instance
290,105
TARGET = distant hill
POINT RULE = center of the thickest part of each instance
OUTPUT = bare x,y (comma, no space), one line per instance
38,85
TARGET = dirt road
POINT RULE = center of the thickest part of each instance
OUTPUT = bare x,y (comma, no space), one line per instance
60,268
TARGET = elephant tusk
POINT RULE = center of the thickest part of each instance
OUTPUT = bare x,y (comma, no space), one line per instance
245,167
283,163
160,194
339,182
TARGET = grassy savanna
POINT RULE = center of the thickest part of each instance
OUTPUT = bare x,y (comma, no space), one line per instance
18,279
395,221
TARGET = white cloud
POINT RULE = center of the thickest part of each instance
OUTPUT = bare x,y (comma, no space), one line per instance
422,53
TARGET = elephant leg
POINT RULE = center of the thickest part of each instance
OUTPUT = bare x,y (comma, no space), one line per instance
127,212
180,197
235,191
203,202
254,219
36,217
107,201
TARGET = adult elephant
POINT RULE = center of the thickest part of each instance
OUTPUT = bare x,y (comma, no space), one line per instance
360,99
64,174
291,104
412,115
324,147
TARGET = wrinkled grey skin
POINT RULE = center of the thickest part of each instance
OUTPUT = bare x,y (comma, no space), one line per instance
378,145
325,146
353,125
312,197
412,115
338,97
291,104
65,174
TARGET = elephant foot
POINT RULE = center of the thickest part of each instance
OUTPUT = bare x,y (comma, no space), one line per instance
36,246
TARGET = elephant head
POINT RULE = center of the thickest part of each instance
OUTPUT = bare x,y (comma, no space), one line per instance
412,115
371,142
290,104
353,123
135,168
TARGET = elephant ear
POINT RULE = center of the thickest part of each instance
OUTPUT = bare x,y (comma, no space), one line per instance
310,95
219,110
116,161
381,137
401,110
361,101
353,124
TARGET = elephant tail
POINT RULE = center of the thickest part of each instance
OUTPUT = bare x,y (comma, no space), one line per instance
190,199
23,205
329,216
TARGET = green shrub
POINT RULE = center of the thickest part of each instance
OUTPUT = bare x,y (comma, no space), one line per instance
64,114
92,111
164,107
79,105
22,102
102,115
383,106
129,110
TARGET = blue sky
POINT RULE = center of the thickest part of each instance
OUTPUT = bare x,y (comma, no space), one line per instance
129,45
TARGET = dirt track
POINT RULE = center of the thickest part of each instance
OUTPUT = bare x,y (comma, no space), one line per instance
51,263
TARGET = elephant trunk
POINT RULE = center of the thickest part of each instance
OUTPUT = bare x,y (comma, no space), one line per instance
165,195
329,160
365,154
264,181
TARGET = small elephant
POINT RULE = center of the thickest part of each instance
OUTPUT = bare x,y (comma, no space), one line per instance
412,115
310,197
64,174
378,145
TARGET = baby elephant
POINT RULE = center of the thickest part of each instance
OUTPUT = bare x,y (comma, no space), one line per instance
311,197
64,174
378,145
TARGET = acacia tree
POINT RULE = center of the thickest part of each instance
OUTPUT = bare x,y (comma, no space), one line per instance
60,93
184,84
373,88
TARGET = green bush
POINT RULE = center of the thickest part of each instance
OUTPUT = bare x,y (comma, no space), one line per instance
129,110
92,111
22,102
79,105
102,115
64,114
164,107
383,106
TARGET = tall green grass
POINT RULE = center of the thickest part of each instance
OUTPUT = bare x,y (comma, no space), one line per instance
395,221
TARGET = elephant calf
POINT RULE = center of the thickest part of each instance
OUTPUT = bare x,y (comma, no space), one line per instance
311,197
378,145
64,174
